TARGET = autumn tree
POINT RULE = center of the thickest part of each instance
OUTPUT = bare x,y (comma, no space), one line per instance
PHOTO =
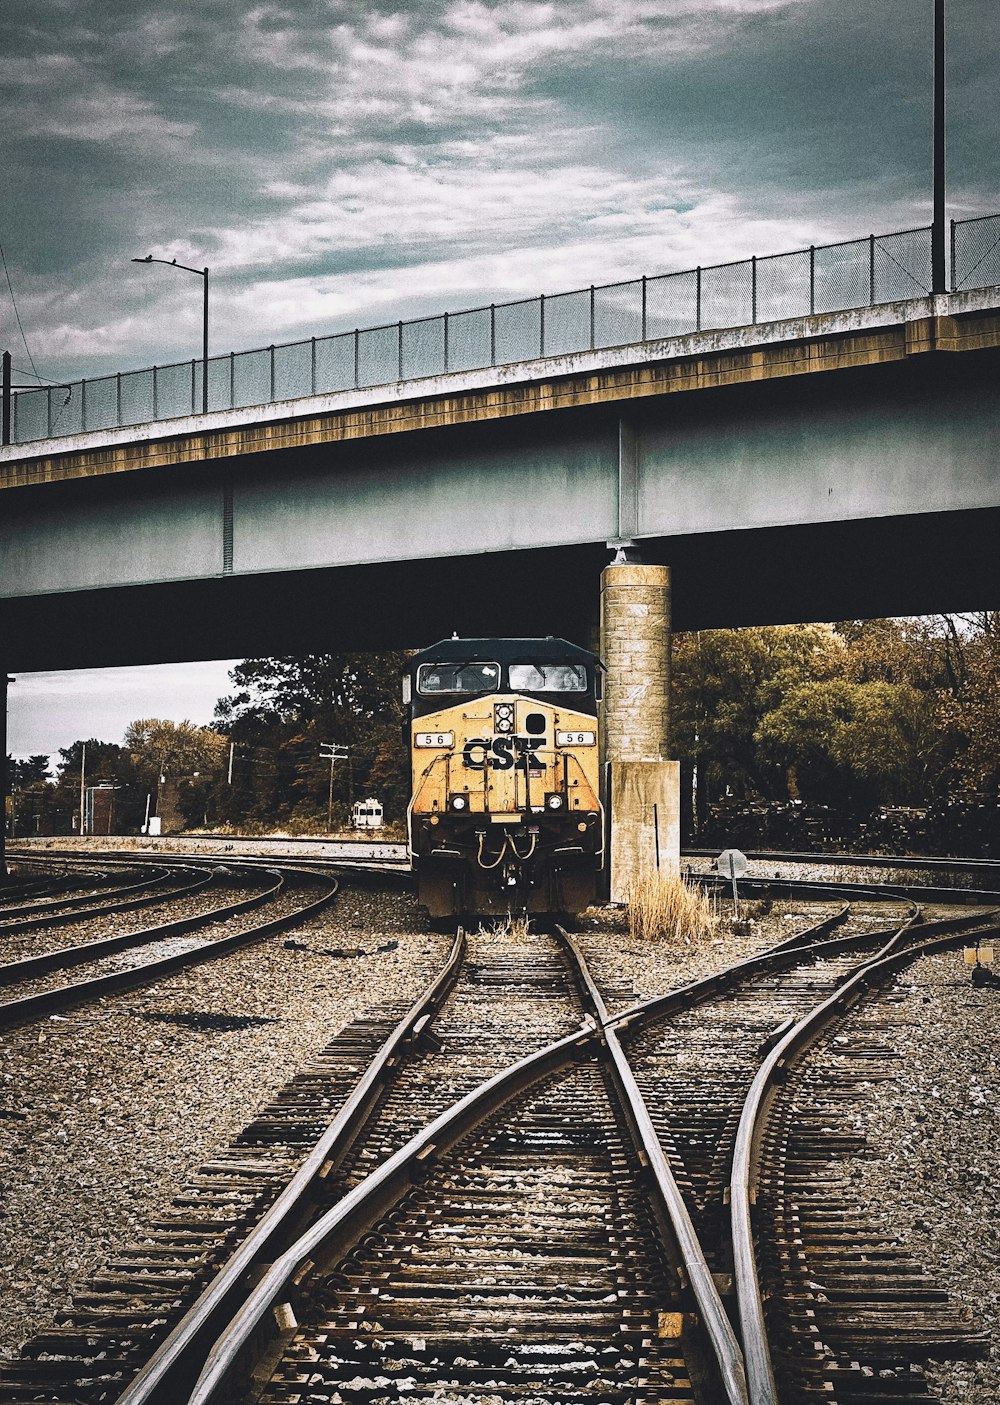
284,709
970,707
852,745
159,747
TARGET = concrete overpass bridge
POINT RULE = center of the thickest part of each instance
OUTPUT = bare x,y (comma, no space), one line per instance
826,466
829,465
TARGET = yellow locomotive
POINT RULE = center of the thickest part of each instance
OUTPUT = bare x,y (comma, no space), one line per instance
505,812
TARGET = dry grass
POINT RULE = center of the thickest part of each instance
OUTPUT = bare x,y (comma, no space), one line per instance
518,928
663,907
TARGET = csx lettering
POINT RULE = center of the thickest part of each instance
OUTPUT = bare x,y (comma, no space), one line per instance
501,753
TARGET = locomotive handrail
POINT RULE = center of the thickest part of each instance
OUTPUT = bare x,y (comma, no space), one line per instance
207,1312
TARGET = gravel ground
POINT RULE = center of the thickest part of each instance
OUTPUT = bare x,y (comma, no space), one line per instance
930,1169
931,1165
104,1112
876,875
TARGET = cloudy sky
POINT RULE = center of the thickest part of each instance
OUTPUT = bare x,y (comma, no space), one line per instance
339,163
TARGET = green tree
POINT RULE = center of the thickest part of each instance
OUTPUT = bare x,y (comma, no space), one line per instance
31,792
104,762
852,745
33,771
724,680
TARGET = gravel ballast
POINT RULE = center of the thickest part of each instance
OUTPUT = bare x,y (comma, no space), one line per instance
105,1111
930,1169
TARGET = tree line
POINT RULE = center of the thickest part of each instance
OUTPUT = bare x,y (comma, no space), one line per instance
258,765
854,716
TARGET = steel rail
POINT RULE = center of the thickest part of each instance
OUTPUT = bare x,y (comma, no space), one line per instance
30,1006
810,934
54,906
29,966
357,867
916,861
159,1379
778,958
746,1157
66,874
50,918
775,958
673,1212
803,887
332,1235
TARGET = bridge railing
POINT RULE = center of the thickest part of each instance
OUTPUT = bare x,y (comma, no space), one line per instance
824,278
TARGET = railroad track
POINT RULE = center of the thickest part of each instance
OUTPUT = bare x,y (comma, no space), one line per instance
38,985
543,1215
848,1311
41,880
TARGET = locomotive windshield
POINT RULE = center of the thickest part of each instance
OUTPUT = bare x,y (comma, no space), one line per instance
548,677
462,676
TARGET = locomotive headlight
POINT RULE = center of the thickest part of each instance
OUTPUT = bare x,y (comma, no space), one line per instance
459,802
442,739
553,802
576,738
503,717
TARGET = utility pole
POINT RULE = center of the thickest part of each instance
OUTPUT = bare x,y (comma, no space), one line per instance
232,748
331,751
7,400
938,276
4,777
83,786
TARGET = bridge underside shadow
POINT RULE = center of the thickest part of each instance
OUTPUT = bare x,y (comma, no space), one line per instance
937,563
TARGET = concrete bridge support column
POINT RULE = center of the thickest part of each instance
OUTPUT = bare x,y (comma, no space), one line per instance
643,793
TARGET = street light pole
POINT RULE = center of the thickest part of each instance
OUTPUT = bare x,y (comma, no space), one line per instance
938,277
203,274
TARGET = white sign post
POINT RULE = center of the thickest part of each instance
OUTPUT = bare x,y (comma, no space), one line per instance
733,863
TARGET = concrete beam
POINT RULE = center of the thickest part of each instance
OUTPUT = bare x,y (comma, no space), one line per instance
951,323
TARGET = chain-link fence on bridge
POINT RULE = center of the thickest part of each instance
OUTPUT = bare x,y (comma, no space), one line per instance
827,278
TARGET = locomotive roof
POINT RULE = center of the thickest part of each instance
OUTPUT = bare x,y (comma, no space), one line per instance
503,651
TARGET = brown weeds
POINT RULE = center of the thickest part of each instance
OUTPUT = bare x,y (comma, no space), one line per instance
663,907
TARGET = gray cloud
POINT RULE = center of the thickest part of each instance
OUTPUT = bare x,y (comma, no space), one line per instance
337,163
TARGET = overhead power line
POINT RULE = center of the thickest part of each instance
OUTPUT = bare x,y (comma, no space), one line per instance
13,299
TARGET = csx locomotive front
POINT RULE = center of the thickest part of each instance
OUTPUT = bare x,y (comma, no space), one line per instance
505,813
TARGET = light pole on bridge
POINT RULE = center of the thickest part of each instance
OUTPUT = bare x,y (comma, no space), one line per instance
202,273
938,276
